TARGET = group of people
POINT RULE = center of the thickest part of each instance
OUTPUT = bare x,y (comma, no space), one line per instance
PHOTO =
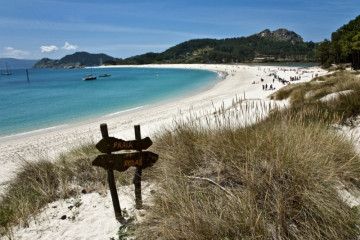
265,87
276,77
295,78
279,79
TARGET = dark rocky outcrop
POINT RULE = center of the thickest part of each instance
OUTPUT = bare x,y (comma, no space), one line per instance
281,34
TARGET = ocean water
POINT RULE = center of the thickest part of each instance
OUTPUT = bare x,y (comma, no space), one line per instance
56,97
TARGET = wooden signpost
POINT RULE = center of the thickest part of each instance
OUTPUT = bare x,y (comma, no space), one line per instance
138,172
121,162
111,144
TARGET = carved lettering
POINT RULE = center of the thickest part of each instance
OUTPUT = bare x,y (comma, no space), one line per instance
112,144
123,145
130,163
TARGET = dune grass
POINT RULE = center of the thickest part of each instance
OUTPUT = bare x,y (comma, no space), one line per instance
276,179
217,178
44,181
319,87
269,181
308,96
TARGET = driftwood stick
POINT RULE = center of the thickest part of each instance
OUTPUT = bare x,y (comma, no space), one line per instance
212,182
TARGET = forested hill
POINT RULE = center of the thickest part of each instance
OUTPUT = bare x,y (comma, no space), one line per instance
266,46
279,45
344,46
78,59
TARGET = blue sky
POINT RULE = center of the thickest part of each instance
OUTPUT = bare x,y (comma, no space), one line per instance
34,29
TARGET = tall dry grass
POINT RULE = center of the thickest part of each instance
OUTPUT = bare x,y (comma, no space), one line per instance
318,88
44,181
308,97
275,179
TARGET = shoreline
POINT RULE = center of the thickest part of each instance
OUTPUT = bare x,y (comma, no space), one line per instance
238,81
94,117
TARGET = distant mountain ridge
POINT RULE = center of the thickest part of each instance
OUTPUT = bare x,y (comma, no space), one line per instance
278,45
78,59
13,63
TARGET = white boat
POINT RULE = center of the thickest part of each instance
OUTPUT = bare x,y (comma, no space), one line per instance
105,75
7,71
89,77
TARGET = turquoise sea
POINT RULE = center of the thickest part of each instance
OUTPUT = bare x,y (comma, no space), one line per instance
54,97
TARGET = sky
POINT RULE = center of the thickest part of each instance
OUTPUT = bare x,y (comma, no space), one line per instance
35,29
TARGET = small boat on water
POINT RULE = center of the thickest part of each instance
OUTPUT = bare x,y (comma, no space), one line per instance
7,73
89,77
105,75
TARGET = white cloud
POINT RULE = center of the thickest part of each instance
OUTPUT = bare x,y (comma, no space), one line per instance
48,49
11,52
68,46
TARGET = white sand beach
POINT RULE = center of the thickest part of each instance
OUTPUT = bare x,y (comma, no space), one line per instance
238,81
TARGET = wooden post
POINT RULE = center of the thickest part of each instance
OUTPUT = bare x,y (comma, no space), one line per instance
110,178
137,175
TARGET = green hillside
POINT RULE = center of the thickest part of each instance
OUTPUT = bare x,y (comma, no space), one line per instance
266,46
279,45
344,46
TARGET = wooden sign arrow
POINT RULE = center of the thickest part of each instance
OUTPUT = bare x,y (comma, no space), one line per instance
111,144
121,162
